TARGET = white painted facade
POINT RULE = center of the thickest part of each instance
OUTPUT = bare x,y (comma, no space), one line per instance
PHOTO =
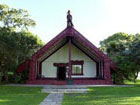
138,76
62,56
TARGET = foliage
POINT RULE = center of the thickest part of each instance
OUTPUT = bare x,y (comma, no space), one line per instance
17,44
135,54
17,19
15,48
124,50
11,95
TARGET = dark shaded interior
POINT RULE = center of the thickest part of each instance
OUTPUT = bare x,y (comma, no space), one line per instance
61,73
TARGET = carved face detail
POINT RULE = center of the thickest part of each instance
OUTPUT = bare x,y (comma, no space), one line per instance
68,12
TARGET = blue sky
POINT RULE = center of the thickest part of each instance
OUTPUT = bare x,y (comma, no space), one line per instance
95,19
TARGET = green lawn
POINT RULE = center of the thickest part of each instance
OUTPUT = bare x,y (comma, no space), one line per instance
106,96
132,83
10,95
97,96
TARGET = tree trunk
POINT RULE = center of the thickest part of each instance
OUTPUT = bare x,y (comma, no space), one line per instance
0,79
6,76
136,75
1,74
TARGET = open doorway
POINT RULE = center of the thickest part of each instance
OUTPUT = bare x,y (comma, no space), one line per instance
61,73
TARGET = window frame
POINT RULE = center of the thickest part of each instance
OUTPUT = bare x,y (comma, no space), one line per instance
78,63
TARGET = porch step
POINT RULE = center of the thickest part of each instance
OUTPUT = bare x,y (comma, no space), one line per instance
82,90
65,87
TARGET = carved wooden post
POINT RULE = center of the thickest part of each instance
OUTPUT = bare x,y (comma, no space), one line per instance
70,53
32,72
102,70
107,75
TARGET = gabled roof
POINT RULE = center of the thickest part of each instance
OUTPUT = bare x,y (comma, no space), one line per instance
78,40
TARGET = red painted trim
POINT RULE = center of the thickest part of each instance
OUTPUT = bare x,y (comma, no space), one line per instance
101,64
77,62
94,49
77,73
33,73
61,64
88,44
84,78
49,78
70,54
24,66
87,78
85,53
103,69
97,69
37,67
54,51
40,68
84,42
75,82
54,41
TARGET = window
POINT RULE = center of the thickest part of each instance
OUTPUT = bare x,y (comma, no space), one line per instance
77,70
77,67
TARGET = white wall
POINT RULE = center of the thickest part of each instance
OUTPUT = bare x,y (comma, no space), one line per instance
138,76
62,56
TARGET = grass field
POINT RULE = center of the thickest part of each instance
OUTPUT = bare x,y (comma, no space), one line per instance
106,96
20,95
97,96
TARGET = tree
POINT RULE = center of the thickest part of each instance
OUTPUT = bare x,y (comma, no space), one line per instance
15,48
17,44
17,19
134,54
123,49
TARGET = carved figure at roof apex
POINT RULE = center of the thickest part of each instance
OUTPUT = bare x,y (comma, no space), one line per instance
69,19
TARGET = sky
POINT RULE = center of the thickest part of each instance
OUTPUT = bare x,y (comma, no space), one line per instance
95,19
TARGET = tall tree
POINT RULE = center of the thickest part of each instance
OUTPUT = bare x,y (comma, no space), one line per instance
17,19
15,48
123,49
16,43
134,54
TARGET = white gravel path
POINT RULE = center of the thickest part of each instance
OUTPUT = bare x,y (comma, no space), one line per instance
53,99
